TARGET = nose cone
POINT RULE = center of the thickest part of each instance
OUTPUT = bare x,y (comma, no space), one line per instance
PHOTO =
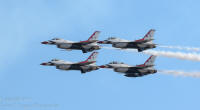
97,47
100,42
45,42
43,64
96,68
102,66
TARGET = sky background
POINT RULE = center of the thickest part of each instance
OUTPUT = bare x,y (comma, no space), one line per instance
25,84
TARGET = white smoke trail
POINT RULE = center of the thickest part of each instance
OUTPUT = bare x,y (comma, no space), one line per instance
179,55
181,48
181,73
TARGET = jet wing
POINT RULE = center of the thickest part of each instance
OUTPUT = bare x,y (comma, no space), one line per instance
139,66
139,42
83,63
83,42
136,67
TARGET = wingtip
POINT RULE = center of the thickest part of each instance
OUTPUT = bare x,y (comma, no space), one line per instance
94,52
152,30
97,32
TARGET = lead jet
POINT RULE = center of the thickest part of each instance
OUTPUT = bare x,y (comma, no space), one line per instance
133,71
141,44
84,66
86,46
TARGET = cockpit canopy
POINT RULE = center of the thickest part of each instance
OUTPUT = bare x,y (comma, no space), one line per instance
55,60
115,62
111,38
56,39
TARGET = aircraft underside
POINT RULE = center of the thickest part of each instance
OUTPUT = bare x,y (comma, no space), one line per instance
140,47
84,48
139,73
83,69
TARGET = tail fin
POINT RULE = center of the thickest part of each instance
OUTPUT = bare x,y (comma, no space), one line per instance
92,57
150,61
94,36
149,35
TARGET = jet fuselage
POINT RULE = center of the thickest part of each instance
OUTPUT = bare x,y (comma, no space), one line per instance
134,45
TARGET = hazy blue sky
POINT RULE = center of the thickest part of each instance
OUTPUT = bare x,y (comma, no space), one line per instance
24,84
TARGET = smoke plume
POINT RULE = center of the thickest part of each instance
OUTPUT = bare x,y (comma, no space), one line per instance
181,48
178,55
181,73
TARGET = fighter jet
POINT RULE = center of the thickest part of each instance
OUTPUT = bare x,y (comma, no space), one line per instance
86,46
84,66
141,44
133,71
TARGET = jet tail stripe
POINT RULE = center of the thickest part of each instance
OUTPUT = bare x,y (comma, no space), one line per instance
150,60
94,36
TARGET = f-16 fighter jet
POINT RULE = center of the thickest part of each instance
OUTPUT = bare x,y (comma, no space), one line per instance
133,71
84,66
141,44
86,46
